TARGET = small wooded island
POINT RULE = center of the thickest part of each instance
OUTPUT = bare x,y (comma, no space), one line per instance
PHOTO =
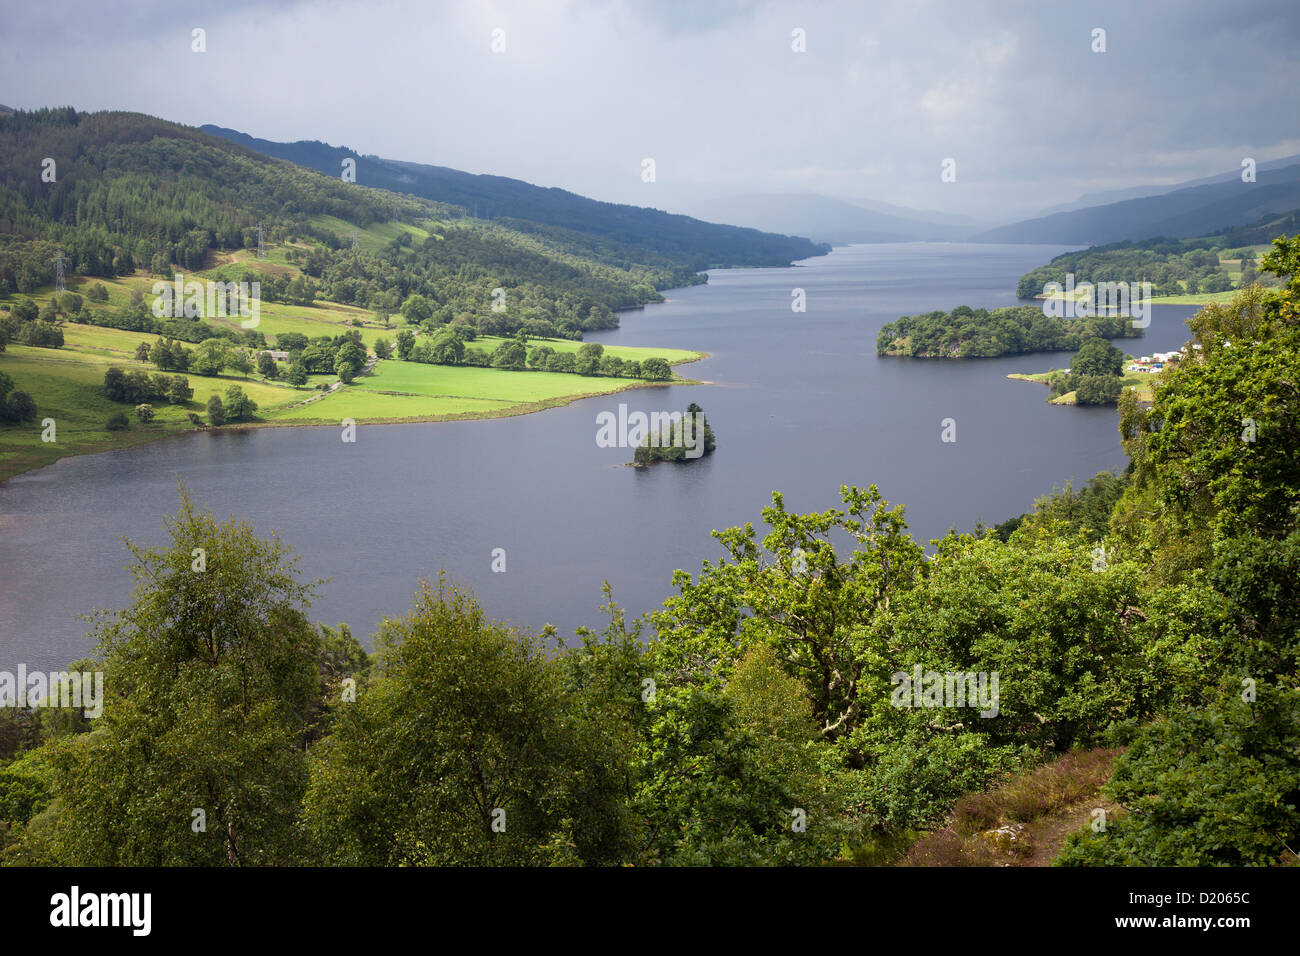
684,438
979,333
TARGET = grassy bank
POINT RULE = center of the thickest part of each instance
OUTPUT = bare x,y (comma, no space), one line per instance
1143,382
68,383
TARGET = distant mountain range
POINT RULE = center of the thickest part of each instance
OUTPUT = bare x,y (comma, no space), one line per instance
634,229
1189,210
1180,210
836,221
1141,192
768,228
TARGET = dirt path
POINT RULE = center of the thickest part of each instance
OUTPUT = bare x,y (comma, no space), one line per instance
1047,834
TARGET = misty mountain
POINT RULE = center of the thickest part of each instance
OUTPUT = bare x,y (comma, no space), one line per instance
634,229
1193,210
835,221
1139,192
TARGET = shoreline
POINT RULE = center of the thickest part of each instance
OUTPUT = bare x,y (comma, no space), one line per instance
143,437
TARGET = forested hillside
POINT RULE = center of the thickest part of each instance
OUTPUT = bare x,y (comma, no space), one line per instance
610,232
1214,263
129,192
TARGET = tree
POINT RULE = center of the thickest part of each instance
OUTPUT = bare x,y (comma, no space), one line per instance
510,354
383,349
794,593
736,776
587,361
211,357
216,411
180,358
1097,389
25,310
416,309
562,362
405,342
348,362
42,335
238,407
115,384
144,413
266,365
488,767
19,407
213,679
179,391
239,362
297,375
1096,356
1205,787
142,352
656,369
447,348
291,341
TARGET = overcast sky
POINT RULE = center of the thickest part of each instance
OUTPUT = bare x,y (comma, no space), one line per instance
713,92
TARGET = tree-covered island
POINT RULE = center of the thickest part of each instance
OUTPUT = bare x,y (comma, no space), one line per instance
979,333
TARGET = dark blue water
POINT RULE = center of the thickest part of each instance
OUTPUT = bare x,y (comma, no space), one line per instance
800,404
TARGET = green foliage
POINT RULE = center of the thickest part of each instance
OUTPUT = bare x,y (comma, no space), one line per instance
813,607
1097,357
1163,262
1085,512
1097,389
687,439
460,751
210,679
17,407
978,333
739,776
238,406
1218,786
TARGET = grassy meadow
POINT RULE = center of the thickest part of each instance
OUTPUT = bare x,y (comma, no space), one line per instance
67,383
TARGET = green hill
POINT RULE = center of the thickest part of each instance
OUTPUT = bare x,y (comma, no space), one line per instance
610,232
350,277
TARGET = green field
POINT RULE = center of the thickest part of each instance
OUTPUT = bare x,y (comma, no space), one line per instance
407,391
67,383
